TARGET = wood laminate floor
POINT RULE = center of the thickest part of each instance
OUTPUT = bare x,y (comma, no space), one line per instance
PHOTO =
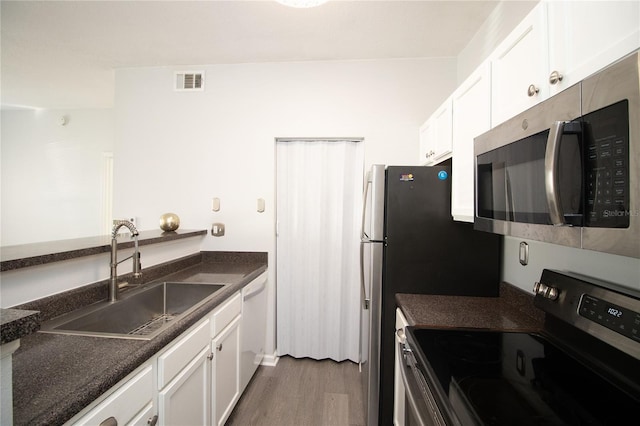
302,392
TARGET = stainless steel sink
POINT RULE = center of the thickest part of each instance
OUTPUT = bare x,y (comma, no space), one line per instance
140,314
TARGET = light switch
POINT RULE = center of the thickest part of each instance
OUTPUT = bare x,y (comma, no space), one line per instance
215,204
260,205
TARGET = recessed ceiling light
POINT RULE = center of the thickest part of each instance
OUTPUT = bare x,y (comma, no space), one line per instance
302,3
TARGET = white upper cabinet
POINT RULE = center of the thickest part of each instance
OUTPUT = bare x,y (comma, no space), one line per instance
435,136
586,36
519,67
471,117
558,44
427,142
443,143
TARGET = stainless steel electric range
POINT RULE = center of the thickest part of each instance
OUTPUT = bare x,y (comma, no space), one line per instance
582,369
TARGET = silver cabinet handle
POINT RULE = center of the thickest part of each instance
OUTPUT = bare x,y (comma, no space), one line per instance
555,77
210,356
219,347
152,420
532,90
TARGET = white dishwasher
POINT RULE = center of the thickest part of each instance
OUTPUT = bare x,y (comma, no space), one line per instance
253,328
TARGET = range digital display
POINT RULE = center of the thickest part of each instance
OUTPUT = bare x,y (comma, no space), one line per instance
621,320
615,312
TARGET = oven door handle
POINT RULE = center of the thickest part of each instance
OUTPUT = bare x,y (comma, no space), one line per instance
413,393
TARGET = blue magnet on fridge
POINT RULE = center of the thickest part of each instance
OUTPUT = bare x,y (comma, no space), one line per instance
442,175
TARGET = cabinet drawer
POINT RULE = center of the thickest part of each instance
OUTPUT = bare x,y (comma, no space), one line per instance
182,352
224,314
126,402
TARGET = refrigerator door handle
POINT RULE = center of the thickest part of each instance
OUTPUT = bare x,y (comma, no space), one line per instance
366,300
365,196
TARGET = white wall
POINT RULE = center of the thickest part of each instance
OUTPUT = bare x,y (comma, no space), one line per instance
175,151
51,174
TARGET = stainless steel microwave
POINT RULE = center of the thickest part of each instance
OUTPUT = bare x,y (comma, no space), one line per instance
566,170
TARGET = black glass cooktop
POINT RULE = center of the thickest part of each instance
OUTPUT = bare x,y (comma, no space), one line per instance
496,378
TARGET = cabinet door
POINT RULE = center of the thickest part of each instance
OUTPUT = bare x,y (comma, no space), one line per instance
182,351
398,394
435,136
471,117
129,398
427,143
443,118
519,63
185,401
586,36
144,418
226,371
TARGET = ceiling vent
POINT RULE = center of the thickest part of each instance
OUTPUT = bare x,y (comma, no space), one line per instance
189,81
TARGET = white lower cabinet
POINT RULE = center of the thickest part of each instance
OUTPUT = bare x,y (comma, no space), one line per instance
226,371
185,401
130,402
183,379
146,417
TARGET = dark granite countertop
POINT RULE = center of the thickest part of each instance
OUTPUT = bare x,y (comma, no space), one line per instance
55,376
24,255
512,310
17,323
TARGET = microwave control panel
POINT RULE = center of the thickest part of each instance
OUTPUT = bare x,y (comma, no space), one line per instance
607,166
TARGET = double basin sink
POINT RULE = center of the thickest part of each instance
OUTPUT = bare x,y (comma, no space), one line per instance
140,313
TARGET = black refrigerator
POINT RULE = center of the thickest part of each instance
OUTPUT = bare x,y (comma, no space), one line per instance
411,244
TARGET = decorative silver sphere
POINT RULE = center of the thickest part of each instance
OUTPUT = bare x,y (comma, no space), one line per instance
169,222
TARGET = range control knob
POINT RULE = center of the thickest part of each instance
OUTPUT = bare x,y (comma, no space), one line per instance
546,291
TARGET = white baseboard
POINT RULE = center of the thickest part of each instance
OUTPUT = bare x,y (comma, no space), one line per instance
270,360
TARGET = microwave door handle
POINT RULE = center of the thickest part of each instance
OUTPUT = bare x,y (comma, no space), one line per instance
551,171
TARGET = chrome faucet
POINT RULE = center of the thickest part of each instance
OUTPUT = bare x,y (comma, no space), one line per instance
113,281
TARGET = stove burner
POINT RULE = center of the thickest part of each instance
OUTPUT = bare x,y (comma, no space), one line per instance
498,402
470,348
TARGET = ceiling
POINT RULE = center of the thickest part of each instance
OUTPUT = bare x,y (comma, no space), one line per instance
61,54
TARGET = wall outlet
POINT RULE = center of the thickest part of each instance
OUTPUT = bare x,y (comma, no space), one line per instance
217,229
